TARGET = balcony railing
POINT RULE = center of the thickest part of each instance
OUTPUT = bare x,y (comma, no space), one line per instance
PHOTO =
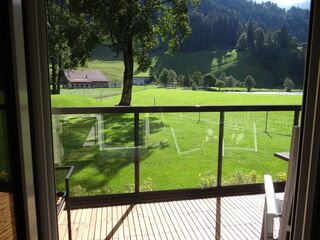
282,116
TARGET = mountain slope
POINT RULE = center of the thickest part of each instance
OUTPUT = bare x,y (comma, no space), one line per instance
267,14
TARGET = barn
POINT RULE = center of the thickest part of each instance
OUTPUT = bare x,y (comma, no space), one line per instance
85,79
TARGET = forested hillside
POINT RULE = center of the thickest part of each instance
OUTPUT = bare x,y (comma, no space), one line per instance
232,39
220,22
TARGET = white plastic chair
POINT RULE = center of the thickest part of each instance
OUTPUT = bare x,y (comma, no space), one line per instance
277,212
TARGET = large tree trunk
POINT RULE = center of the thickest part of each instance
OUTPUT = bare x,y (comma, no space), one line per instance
127,76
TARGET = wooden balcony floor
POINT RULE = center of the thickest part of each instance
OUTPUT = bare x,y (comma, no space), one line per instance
7,222
238,217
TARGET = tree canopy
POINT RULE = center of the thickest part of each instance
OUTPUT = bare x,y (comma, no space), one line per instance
250,37
249,83
242,42
209,80
288,84
133,28
220,84
70,40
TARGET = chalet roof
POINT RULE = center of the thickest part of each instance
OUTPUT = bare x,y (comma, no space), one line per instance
85,76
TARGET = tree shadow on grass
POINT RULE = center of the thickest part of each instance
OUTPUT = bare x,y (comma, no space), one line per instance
119,129
95,167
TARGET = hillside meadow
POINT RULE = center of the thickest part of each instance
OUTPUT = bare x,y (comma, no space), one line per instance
218,61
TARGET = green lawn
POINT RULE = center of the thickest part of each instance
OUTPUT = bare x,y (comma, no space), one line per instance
178,150
145,95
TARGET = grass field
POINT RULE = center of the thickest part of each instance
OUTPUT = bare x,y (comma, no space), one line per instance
178,150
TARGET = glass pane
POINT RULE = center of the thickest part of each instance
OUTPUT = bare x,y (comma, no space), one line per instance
4,157
250,141
101,148
179,150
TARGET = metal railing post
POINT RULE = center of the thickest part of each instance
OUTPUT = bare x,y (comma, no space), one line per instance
137,154
266,122
68,207
220,152
296,118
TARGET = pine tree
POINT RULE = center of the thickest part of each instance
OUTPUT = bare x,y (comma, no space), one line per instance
259,39
250,37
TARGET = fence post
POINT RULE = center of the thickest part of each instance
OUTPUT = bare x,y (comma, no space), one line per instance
296,118
220,152
266,122
137,154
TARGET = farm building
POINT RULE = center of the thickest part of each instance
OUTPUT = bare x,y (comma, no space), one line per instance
85,79
141,80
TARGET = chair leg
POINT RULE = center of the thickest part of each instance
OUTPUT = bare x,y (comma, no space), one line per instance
262,237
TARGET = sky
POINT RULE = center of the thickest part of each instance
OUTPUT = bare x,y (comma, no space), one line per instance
287,3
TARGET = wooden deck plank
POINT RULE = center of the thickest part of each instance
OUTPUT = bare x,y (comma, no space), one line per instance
63,225
185,217
175,221
147,222
103,231
97,234
7,222
209,229
159,221
232,221
221,230
81,230
168,218
182,228
154,223
92,226
193,219
240,217
236,219
87,224
165,221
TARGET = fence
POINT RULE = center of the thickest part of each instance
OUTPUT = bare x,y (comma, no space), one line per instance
220,189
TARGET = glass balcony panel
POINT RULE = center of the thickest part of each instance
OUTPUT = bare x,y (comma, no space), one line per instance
101,147
179,151
250,141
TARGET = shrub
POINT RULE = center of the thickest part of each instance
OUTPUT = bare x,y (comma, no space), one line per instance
147,185
288,84
249,83
164,77
252,177
220,84
209,80
194,86
281,177
241,178
231,81
197,78
207,180
101,191
129,188
78,191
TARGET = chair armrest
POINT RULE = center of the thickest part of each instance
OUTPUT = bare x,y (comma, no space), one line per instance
271,201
